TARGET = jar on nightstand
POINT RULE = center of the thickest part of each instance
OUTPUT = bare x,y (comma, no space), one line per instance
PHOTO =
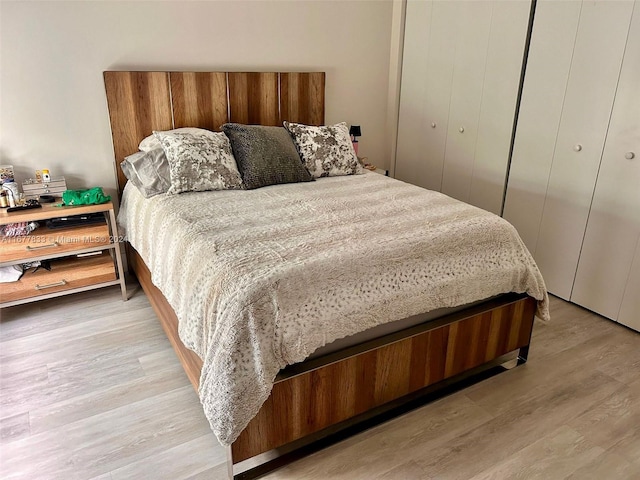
11,190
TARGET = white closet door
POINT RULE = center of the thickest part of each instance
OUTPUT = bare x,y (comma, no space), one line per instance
552,40
505,54
427,69
411,121
466,96
591,88
630,310
613,228
461,70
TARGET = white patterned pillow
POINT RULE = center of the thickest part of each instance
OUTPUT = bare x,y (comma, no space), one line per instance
326,151
199,161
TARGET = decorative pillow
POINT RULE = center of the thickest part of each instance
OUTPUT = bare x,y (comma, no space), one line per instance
199,161
151,142
265,155
148,171
326,151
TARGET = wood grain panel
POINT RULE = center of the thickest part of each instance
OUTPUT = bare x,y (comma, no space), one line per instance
419,363
393,372
321,406
253,98
199,99
482,327
302,97
366,365
339,391
139,102
301,393
345,389
65,274
49,210
436,356
45,241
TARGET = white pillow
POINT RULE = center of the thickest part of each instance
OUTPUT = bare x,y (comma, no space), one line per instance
148,171
151,142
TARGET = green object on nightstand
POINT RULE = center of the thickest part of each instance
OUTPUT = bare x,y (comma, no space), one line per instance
92,196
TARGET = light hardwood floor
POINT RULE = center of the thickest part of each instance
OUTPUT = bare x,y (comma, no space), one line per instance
91,389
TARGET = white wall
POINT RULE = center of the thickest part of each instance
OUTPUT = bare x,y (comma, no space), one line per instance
53,111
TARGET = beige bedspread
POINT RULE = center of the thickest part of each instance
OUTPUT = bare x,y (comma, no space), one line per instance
259,279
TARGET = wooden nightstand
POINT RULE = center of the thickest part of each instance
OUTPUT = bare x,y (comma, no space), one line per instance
375,169
81,258
372,168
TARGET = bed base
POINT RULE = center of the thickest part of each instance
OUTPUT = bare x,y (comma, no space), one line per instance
320,401
331,436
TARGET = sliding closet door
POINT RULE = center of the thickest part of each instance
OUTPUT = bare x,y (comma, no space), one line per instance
484,92
505,51
590,89
630,310
545,82
613,229
427,69
466,98
461,70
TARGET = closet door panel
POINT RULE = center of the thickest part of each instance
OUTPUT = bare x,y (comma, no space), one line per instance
499,95
595,68
466,95
630,310
440,66
549,61
613,228
429,53
412,116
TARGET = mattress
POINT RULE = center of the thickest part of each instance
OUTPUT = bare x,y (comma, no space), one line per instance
261,279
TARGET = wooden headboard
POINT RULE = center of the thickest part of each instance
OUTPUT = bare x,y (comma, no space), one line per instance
140,102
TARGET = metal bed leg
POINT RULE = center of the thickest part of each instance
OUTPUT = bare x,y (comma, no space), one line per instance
229,464
523,354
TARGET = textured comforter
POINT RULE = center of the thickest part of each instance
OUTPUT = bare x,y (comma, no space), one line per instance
260,279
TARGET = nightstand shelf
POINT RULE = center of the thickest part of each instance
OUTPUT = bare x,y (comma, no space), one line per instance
81,258
44,243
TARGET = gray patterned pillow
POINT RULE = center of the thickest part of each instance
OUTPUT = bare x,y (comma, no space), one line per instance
326,151
265,155
199,162
151,142
148,171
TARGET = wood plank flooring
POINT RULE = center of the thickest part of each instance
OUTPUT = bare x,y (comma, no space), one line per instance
91,389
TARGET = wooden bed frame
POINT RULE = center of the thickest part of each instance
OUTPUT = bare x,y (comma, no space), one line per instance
319,397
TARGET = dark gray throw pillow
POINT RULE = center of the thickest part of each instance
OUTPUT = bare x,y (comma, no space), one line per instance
265,155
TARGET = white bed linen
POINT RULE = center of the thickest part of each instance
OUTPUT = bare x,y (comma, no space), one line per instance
260,279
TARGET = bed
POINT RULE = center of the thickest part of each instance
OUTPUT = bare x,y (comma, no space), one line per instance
299,384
